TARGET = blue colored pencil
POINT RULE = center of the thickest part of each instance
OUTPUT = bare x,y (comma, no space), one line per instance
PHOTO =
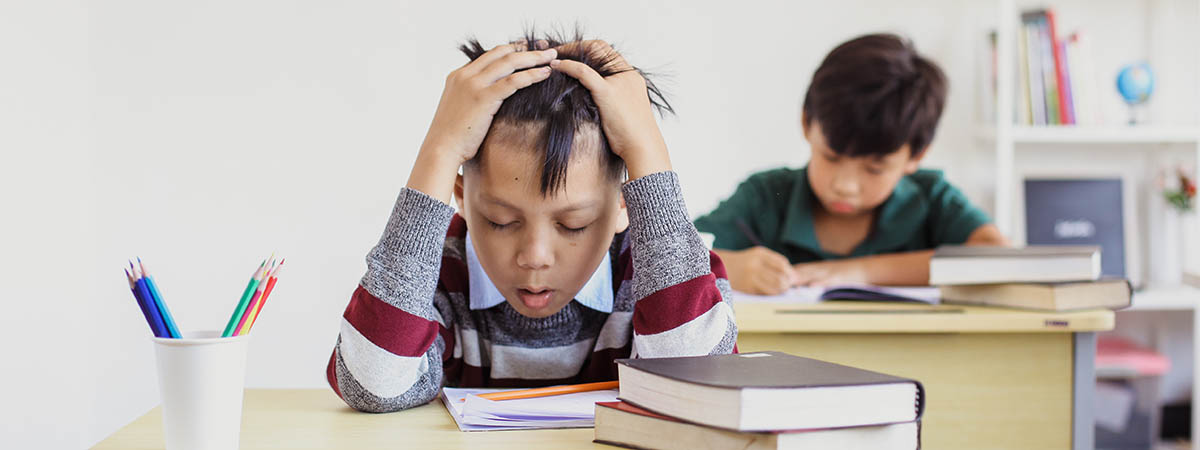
142,304
165,312
156,321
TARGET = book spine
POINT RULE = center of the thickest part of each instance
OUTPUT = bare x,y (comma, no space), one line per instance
1049,73
1025,106
1060,70
1037,93
1068,87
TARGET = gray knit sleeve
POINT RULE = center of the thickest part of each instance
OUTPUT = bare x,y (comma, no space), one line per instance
682,307
388,355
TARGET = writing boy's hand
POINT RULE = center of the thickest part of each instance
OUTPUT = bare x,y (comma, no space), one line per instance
757,270
470,100
625,112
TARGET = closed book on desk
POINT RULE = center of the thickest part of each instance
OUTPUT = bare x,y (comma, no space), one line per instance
622,424
1106,293
767,391
955,264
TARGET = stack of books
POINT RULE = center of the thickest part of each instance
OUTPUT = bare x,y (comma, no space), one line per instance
764,400
1048,278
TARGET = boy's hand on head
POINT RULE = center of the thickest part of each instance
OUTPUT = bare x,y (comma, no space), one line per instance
472,96
625,112
758,270
826,273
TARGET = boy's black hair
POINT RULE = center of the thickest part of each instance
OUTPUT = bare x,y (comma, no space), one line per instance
560,105
873,94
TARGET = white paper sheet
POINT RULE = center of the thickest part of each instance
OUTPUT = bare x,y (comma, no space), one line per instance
473,413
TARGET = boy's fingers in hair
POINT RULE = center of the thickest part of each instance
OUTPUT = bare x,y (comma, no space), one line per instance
513,62
497,52
602,49
512,83
580,71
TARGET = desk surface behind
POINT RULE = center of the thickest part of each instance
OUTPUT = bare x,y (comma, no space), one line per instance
876,317
317,419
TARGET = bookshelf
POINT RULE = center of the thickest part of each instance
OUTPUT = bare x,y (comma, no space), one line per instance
1007,137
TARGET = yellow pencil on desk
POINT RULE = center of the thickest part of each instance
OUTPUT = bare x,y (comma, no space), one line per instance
549,391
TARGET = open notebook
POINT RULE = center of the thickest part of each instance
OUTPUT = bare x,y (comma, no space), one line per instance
473,413
864,292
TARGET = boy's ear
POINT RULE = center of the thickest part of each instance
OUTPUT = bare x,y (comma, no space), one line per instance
804,123
458,191
914,162
622,217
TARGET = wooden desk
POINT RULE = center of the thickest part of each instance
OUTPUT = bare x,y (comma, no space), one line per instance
317,419
994,378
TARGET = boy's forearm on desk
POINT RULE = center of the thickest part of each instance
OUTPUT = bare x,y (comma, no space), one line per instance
895,269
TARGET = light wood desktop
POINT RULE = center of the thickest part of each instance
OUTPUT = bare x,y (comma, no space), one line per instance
994,378
318,419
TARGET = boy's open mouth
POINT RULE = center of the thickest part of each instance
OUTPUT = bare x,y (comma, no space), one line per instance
535,297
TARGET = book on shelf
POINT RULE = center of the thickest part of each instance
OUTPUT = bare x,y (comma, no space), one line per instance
768,391
1055,77
622,424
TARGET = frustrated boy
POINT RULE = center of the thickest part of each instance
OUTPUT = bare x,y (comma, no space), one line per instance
556,264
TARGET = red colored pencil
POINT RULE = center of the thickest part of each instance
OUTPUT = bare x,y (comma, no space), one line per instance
266,293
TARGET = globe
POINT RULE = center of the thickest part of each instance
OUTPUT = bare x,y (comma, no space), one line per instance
1135,82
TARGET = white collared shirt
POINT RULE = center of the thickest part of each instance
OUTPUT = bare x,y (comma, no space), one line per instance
596,294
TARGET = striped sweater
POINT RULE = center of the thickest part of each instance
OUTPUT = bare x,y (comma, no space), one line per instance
408,329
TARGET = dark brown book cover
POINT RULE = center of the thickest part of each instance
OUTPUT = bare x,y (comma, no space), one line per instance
766,370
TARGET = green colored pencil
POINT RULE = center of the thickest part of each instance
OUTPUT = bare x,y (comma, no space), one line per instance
245,301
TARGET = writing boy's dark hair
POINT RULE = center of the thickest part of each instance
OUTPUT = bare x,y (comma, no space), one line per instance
561,105
873,94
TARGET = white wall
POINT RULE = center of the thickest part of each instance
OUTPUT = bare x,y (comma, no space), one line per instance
204,135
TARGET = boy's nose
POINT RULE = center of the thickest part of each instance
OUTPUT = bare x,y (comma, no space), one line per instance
535,254
845,184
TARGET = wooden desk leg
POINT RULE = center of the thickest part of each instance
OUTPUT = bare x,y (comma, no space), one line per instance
1083,419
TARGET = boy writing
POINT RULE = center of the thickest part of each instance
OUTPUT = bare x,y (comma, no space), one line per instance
553,268
861,211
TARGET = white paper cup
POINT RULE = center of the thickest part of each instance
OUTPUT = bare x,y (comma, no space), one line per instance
201,379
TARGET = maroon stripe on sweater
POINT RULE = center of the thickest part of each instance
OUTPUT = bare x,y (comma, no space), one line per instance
675,305
718,266
448,339
458,227
453,276
389,327
625,262
331,373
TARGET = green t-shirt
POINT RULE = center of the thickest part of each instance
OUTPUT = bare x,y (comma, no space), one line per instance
923,212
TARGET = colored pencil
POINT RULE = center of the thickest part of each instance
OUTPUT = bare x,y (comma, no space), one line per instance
549,391
156,320
245,301
165,312
252,314
142,304
254,300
